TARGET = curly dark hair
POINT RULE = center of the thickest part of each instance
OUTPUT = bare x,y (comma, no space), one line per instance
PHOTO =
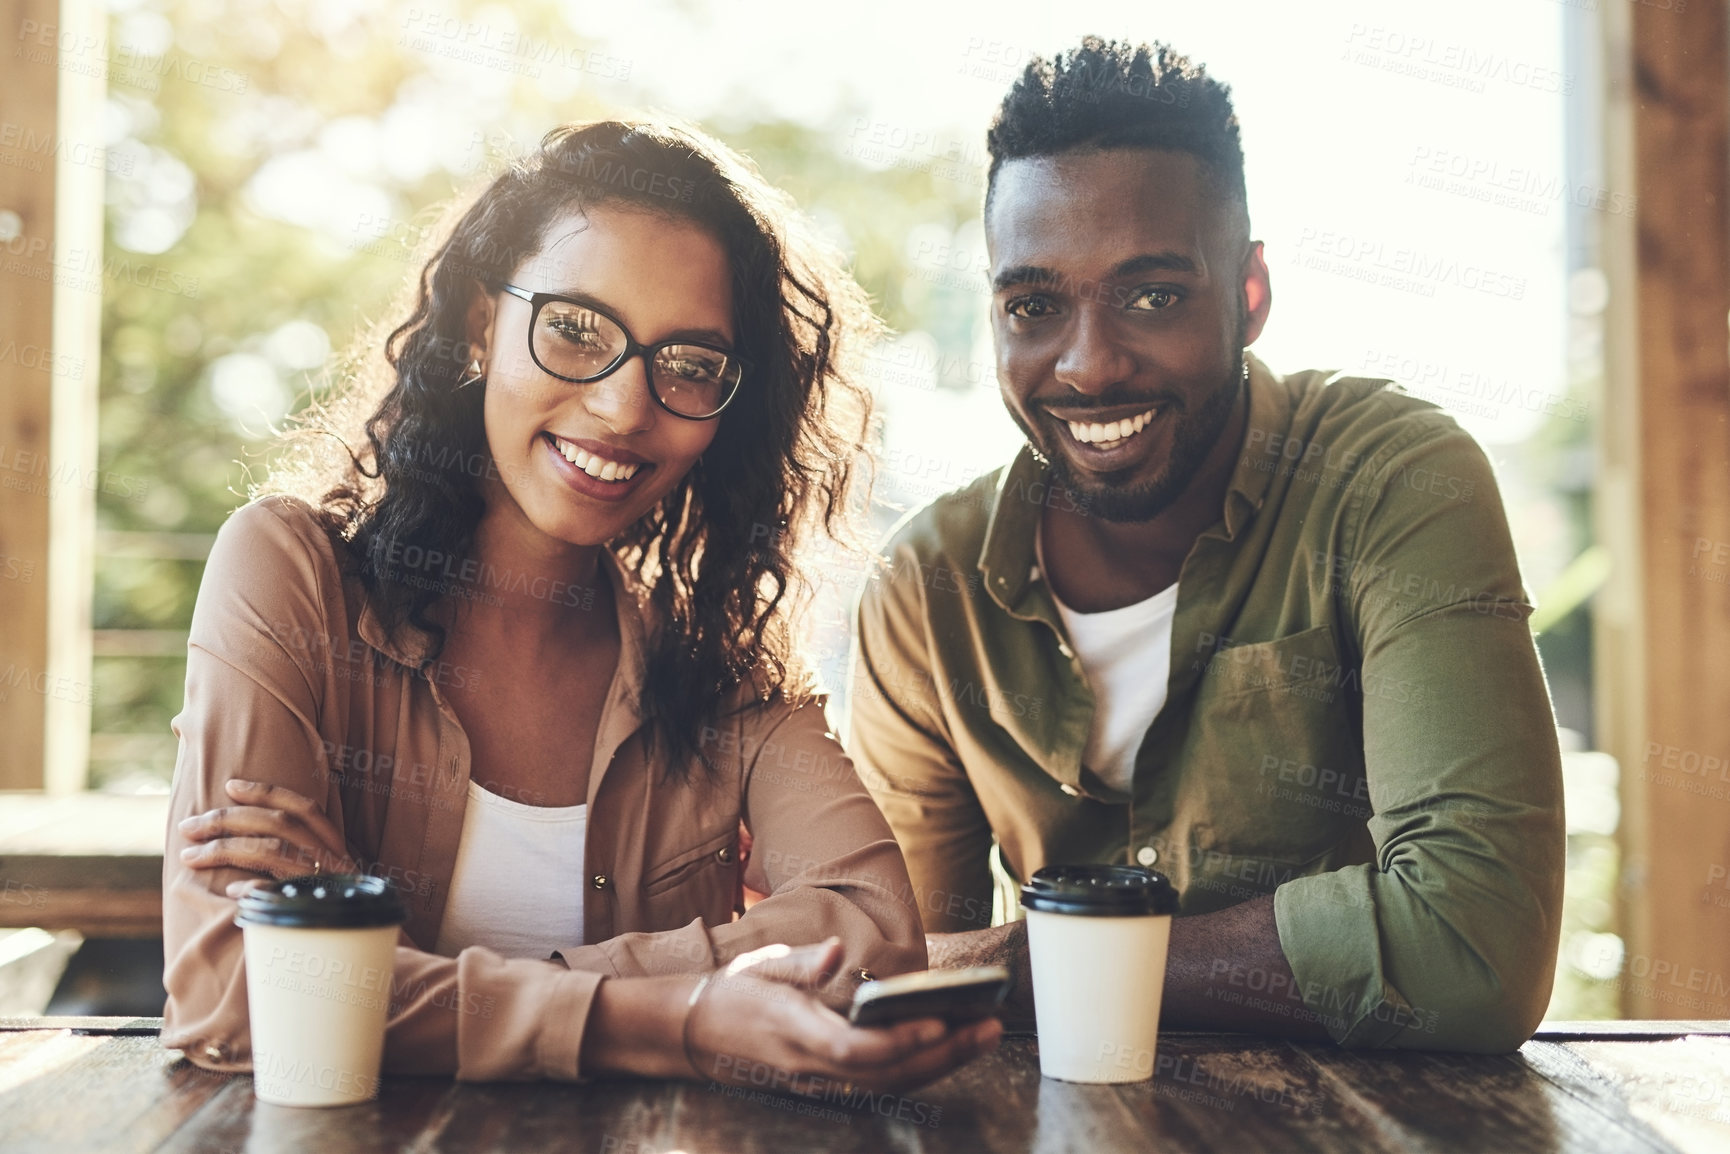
717,554
1108,94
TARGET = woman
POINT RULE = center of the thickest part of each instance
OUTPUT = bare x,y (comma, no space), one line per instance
528,654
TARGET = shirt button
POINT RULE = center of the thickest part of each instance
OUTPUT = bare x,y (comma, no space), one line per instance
1070,790
600,881
724,855
1146,855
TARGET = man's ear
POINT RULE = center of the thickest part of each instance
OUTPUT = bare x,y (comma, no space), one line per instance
1257,293
478,324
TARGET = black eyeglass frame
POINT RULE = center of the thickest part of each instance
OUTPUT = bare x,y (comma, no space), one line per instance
632,349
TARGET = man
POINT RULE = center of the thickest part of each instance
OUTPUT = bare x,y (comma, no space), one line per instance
1265,634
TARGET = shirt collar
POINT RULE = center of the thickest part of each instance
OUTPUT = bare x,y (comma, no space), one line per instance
1024,488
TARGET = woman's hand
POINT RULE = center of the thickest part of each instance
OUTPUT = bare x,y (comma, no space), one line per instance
758,1023
274,832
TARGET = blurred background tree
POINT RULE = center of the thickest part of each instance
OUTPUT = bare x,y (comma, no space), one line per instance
269,186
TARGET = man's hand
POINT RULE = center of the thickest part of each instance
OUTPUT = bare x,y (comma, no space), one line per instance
1004,945
1211,955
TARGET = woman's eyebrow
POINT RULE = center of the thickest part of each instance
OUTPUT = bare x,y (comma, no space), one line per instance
580,297
696,335
701,337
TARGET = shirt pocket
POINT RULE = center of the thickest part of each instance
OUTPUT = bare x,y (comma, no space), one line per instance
1275,753
698,882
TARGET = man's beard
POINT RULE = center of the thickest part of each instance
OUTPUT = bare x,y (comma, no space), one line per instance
1193,438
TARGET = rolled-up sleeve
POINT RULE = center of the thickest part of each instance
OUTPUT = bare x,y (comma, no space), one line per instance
255,698
1448,940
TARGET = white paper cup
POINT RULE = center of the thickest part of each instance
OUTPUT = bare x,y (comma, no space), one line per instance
1097,937
319,956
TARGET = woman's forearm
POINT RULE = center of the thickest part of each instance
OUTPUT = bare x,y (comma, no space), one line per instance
636,1027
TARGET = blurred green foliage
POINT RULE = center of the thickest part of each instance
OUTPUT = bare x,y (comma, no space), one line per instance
283,81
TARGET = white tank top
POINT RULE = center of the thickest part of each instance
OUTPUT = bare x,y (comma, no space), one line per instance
517,888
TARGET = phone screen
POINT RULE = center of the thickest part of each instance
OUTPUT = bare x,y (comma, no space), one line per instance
953,995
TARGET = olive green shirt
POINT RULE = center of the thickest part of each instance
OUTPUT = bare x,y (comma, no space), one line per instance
1356,721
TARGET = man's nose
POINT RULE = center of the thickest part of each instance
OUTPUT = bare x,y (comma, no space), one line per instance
621,400
1093,360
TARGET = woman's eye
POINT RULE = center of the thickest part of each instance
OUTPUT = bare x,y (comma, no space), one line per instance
1153,299
577,330
1028,308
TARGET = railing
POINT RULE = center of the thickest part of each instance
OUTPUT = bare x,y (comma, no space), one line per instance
154,750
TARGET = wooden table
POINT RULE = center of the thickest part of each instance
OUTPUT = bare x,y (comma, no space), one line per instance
104,1084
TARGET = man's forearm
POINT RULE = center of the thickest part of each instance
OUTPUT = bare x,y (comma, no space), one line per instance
1225,971
1004,945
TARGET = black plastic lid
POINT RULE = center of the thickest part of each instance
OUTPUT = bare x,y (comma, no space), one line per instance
1101,891
323,902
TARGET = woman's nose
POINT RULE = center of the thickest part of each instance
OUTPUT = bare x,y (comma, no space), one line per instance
621,399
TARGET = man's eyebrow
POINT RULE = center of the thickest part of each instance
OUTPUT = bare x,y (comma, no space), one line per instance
1024,274
1155,262
1032,274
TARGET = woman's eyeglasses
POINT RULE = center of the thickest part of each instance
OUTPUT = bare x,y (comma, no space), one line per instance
577,342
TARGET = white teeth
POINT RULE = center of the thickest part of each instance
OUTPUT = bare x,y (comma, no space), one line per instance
1104,435
597,467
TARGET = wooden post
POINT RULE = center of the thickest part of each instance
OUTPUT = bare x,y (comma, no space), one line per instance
1670,437
80,187
51,191
27,120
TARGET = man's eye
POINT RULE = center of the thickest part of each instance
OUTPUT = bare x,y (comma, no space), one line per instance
1029,307
1153,299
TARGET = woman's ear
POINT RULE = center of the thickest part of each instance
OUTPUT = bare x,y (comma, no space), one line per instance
478,325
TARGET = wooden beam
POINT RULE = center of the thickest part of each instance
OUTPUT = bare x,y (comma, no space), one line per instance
28,126
52,175
80,188
1676,772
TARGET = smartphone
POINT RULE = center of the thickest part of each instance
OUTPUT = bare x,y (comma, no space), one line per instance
964,995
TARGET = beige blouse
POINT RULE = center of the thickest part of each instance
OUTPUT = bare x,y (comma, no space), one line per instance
291,680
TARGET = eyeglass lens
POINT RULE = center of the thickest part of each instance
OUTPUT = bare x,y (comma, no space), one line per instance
573,341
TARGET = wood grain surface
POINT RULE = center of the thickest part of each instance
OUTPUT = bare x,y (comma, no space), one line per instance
106,1085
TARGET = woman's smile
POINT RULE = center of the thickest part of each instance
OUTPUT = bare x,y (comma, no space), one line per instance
597,470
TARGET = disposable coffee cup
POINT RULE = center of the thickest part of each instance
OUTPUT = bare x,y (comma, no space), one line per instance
319,956
1098,935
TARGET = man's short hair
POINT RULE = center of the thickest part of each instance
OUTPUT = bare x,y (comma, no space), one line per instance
1108,94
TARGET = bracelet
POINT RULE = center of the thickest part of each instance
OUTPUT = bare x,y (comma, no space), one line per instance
685,1028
